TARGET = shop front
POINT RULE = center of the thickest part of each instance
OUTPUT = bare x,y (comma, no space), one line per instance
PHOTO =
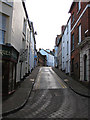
9,61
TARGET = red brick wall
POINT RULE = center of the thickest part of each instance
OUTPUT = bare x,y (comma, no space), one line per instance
85,25
75,11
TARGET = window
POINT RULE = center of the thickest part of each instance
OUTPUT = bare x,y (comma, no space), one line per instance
24,27
72,17
67,47
63,52
79,6
73,65
73,42
79,33
2,28
8,3
67,29
28,35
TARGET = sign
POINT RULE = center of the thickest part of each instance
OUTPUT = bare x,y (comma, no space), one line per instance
8,52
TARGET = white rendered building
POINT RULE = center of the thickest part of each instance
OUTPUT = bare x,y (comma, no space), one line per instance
66,47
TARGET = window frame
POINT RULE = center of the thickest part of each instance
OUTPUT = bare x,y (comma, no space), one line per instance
67,47
24,27
8,3
79,6
79,33
3,28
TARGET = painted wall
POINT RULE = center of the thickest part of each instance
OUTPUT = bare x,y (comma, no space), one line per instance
7,10
19,40
31,52
66,48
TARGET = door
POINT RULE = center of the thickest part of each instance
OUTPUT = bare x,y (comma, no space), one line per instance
5,77
85,67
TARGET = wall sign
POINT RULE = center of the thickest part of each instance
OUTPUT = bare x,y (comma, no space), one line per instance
8,52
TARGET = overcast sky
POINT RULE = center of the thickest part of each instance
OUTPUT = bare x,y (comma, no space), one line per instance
48,16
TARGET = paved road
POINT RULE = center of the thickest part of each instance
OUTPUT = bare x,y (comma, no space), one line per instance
51,98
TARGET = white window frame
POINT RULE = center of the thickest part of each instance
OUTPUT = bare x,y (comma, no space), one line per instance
79,33
79,6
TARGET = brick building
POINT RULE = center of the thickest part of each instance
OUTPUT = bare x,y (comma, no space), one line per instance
42,60
80,40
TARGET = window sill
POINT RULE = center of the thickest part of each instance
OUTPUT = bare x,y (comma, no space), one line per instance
8,3
72,50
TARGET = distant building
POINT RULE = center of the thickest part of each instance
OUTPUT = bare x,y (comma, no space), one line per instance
41,59
80,40
59,53
32,47
50,57
56,49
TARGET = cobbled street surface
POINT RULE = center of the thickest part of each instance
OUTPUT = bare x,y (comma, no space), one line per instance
52,98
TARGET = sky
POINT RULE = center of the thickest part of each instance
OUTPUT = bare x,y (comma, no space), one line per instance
48,16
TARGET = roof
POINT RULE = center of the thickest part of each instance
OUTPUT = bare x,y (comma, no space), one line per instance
49,52
72,5
44,56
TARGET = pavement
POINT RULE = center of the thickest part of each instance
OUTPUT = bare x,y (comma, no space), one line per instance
20,97
78,87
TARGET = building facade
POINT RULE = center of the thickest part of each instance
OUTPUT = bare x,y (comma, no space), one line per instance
56,50
80,37
14,44
32,46
59,53
41,59
66,48
8,53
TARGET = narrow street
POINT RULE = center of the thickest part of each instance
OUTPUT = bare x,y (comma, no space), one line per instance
52,98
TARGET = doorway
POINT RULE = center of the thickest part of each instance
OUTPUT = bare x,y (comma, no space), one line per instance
85,67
